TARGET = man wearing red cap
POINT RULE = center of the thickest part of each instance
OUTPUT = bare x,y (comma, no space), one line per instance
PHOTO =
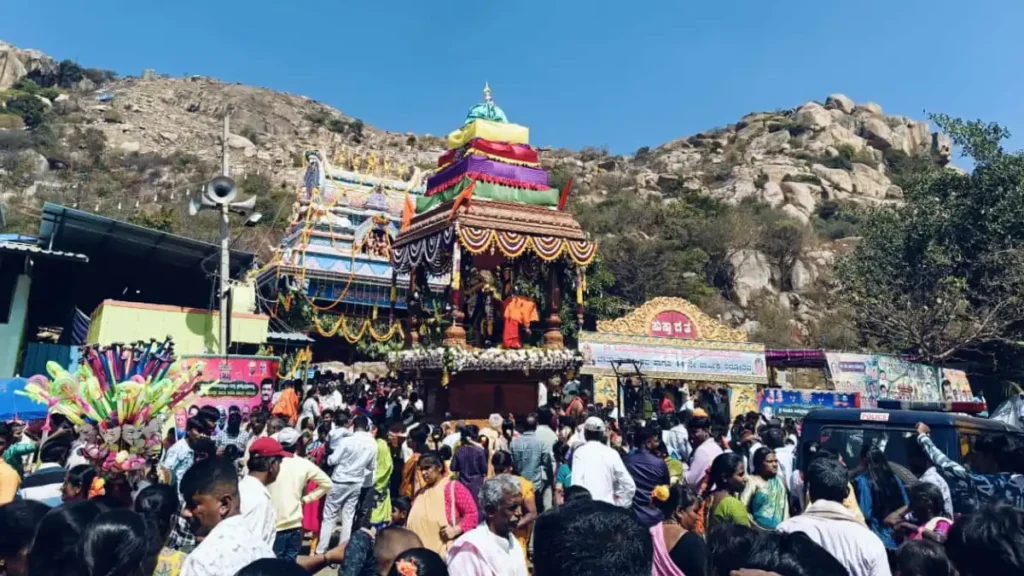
256,508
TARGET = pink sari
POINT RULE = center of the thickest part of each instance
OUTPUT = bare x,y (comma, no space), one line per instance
663,564
313,512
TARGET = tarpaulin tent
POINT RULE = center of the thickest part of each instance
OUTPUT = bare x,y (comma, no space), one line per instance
15,405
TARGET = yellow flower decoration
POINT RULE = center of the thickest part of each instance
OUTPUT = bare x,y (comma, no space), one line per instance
660,493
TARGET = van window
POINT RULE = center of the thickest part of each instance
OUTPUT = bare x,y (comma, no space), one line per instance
848,442
1002,456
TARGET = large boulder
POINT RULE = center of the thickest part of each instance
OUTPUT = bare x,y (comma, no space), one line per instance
239,142
813,115
802,277
16,63
796,214
870,109
35,162
869,182
942,148
834,176
878,133
840,102
769,142
802,195
771,193
752,274
838,135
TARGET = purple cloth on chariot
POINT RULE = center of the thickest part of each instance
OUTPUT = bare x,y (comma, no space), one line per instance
481,165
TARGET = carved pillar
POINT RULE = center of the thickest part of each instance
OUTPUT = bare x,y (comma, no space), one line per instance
455,334
581,289
553,334
394,296
412,307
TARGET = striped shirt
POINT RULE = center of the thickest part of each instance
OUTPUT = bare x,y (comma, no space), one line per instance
44,485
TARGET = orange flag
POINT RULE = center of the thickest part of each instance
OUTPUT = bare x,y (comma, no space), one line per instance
408,211
464,197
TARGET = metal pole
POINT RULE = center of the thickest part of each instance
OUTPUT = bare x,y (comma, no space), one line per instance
225,239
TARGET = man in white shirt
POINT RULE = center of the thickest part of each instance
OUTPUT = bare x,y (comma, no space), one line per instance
599,468
491,548
355,462
922,467
256,507
835,528
676,440
210,491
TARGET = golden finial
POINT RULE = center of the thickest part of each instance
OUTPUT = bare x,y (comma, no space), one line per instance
487,93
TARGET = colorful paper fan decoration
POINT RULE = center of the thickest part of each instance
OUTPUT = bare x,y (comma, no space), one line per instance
125,390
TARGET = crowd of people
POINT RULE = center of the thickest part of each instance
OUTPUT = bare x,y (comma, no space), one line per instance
349,476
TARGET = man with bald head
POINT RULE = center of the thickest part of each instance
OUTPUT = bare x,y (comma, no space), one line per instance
390,544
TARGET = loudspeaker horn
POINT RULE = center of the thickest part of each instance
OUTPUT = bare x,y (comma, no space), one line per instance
221,190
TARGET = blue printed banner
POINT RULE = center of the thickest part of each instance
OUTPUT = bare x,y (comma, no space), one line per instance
778,403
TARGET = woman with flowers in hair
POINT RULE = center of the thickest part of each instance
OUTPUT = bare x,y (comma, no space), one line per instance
678,549
82,483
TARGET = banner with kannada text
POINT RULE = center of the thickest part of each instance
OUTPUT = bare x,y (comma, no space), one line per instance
675,362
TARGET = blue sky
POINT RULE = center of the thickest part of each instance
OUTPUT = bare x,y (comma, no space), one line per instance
601,73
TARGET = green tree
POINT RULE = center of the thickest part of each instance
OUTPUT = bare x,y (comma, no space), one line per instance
943,275
783,242
31,109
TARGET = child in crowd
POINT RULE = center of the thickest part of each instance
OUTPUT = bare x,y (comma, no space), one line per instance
400,511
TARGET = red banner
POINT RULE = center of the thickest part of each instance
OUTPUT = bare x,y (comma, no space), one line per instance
672,324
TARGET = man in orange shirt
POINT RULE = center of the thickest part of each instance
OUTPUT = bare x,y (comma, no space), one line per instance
287,405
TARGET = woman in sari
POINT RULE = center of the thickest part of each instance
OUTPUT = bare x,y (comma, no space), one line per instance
313,511
502,462
381,514
678,549
727,478
442,509
765,496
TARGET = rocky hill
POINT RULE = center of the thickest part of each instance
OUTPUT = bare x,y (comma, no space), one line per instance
779,192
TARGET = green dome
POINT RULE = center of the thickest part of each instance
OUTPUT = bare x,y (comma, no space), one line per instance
486,110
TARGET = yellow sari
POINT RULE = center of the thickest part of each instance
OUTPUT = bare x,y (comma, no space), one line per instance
523,534
427,517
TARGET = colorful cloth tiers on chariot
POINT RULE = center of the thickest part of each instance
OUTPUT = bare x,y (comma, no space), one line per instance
491,182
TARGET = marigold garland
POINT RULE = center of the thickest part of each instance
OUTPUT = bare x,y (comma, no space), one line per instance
341,326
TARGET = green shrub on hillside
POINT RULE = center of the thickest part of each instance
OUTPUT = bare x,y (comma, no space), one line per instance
29,108
835,220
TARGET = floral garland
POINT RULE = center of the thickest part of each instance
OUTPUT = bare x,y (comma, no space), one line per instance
451,360
325,328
